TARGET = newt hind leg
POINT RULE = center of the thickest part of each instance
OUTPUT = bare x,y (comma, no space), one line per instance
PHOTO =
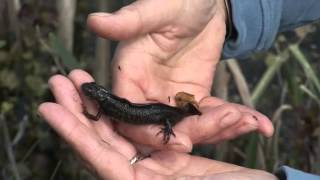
167,132
91,116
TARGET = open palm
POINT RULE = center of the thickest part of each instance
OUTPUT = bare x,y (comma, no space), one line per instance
175,48
107,154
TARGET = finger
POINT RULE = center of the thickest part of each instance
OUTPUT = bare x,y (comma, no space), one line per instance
83,140
67,95
147,135
135,19
265,126
103,126
245,125
210,123
77,78
70,128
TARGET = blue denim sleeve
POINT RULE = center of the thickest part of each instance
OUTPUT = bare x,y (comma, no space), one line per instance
287,173
257,22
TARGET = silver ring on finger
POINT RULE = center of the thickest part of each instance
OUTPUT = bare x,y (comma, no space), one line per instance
136,158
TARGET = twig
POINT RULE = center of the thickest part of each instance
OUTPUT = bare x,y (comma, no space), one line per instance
295,50
277,115
284,92
30,150
51,52
261,153
239,152
22,127
272,143
221,81
9,149
244,92
310,93
268,76
241,82
102,63
13,10
66,12
54,173
220,89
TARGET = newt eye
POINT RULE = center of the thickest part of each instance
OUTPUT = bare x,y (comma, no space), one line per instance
95,91
89,89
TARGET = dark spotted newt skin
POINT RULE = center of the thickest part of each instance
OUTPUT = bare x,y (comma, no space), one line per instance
122,110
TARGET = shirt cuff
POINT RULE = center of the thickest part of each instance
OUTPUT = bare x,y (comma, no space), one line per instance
256,24
287,173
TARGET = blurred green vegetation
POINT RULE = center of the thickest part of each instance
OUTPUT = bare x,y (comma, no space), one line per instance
284,82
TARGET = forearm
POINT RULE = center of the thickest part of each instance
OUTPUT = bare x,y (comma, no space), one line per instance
256,23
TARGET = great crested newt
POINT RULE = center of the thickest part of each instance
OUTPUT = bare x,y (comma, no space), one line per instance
122,110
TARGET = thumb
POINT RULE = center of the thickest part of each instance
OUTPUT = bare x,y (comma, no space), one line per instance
138,18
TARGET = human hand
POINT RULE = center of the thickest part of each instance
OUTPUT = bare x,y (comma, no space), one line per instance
107,154
171,46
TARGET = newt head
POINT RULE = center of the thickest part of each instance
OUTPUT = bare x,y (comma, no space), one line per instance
187,103
95,91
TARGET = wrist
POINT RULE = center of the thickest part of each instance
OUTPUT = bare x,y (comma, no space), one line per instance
229,24
224,7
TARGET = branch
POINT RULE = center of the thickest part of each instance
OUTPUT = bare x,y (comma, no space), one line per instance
51,52
310,93
268,76
295,50
221,81
102,65
241,82
22,127
13,10
66,11
9,150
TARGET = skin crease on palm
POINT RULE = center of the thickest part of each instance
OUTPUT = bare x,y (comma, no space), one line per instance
175,48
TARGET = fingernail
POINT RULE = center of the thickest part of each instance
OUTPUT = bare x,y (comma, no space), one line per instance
39,111
100,14
228,120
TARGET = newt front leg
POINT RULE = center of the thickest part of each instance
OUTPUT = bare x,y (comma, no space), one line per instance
167,132
91,116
